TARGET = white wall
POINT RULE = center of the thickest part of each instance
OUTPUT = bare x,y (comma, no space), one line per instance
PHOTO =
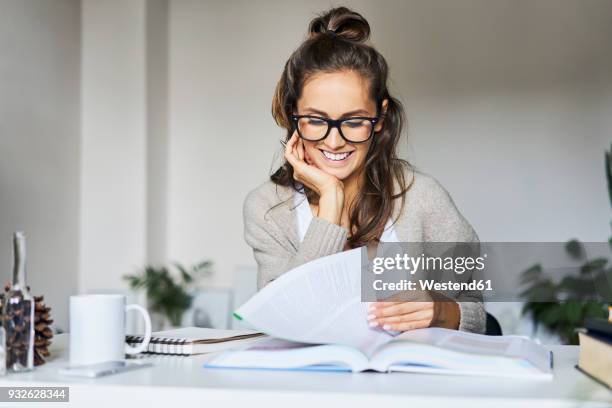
509,106
39,144
157,129
113,147
123,153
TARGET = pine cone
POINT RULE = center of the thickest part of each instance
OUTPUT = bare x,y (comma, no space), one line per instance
42,331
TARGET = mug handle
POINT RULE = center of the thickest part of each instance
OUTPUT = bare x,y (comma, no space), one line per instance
147,337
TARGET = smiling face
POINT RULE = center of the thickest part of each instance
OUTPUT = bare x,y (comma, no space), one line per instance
337,95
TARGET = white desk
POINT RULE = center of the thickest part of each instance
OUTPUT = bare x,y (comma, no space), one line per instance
177,382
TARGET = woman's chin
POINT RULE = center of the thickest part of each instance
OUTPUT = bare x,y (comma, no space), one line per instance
339,173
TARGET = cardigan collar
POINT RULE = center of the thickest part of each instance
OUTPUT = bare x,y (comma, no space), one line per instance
285,213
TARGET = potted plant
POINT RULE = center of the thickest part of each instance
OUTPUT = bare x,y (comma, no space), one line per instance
168,289
573,292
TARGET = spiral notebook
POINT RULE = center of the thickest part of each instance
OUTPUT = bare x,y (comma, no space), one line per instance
187,341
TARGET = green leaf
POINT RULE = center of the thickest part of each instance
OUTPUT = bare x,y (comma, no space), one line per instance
581,287
203,268
575,249
594,265
186,276
595,309
542,291
573,312
551,316
532,274
602,284
533,308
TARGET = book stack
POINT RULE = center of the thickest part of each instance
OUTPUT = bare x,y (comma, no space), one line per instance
596,350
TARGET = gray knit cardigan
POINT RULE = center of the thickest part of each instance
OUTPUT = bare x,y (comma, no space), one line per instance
429,215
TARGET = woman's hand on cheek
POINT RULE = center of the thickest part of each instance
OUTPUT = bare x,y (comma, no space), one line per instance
329,188
307,174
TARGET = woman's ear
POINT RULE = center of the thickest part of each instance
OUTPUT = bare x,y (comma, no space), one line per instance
383,112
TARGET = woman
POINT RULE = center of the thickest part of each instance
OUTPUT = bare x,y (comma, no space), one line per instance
342,185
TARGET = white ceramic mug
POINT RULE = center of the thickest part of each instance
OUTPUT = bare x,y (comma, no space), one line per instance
97,329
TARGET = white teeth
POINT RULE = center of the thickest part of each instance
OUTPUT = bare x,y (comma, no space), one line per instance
334,156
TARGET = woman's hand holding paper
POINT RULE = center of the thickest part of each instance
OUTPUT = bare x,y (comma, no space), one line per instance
404,315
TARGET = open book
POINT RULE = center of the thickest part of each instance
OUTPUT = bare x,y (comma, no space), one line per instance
316,310
431,350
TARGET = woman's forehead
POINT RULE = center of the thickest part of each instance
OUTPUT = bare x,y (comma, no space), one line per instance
336,93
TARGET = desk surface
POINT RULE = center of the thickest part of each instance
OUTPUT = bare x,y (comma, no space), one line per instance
182,382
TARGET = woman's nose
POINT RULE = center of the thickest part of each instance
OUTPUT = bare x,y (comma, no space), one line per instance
334,140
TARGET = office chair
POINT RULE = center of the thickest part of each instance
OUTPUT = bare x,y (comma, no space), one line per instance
493,328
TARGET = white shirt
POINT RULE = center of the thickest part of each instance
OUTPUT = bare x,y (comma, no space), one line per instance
304,217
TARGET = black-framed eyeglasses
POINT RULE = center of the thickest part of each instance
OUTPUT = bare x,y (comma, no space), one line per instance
357,129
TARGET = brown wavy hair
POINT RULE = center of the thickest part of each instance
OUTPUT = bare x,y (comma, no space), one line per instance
337,42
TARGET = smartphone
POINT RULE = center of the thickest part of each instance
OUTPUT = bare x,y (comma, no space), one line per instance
102,369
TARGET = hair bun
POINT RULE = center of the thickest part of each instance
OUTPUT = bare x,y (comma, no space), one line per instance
341,22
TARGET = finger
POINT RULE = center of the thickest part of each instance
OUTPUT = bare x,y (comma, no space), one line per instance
381,305
399,309
395,299
290,143
419,324
426,314
290,152
290,157
300,149
405,296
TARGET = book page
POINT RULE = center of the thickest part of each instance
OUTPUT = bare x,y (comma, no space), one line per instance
472,343
273,353
318,302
